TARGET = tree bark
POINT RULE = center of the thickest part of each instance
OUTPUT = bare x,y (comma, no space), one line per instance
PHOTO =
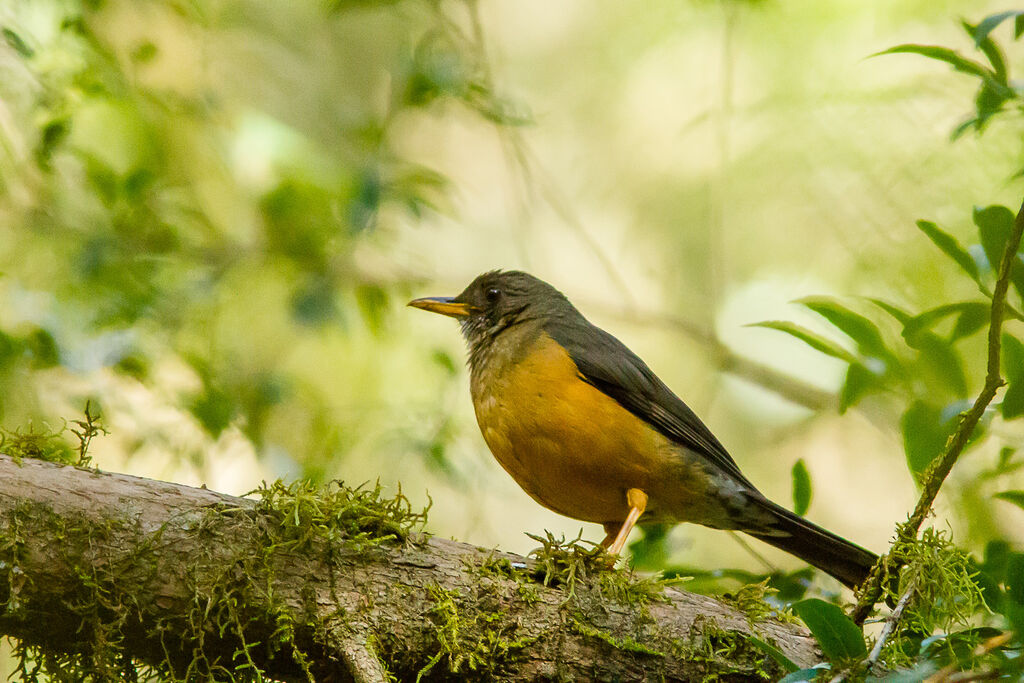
112,574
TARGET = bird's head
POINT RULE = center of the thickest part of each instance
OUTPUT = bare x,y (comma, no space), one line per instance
496,302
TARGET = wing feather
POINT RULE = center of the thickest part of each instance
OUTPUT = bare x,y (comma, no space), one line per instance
611,367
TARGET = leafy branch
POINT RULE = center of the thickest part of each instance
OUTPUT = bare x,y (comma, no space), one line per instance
890,564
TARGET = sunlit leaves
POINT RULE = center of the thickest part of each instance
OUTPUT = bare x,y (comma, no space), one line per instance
854,325
875,358
180,209
994,90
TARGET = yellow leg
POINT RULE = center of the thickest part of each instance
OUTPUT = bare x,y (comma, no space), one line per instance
637,501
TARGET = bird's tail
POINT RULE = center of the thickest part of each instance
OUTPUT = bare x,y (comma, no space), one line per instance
816,546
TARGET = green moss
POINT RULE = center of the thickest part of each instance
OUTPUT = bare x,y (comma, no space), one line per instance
474,644
727,654
491,568
624,643
233,602
360,516
945,597
565,563
53,446
751,599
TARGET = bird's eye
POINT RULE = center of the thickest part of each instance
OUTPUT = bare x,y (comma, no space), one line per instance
492,294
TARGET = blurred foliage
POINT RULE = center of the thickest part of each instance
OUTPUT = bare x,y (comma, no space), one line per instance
175,183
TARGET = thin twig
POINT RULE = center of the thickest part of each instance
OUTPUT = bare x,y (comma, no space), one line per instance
890,626
939,470
890,623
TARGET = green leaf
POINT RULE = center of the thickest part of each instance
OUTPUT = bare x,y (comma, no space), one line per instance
1014,580
990,49
972,318
1013,356
445,360
1015,497
854,325
1006,463
997,553
15,41
942,54
942,363
1013,369
1013,400
775,653
801,487
812,339
373,301
42,348
989,587
989,24
837,635
902,316
803,675
214,409
859,381
948,244
924,436
989,101
995,224
924,321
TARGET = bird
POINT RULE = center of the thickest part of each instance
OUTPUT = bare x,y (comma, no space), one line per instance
588,430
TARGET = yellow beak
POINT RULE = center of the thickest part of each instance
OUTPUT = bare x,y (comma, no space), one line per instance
443,305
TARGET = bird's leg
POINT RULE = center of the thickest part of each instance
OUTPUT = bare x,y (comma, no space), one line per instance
637,501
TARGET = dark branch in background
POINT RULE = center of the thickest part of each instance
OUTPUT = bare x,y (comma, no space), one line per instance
102,573
889,565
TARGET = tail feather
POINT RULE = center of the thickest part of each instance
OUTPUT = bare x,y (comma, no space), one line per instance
815,545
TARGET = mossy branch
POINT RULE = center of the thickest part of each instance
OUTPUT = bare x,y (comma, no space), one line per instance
105,576
889,565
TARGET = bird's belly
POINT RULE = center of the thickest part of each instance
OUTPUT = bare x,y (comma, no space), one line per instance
573,448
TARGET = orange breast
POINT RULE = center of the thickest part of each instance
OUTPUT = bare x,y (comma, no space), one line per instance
571,447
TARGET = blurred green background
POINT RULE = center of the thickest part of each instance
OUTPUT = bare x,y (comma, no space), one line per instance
213,213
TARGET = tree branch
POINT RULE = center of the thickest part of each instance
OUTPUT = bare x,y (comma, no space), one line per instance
889,565
106,573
